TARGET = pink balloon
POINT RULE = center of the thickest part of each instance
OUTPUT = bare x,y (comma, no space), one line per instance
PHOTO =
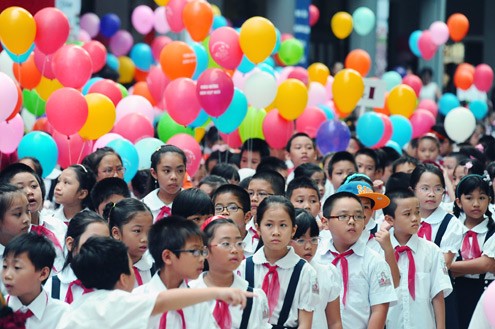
158,44
316,94
160,20
483,77
299,73
429,105
142,19
191,147
173,13
314,14
426,46
8,96
182,103
105,139
98,54
90,23
52,29
214,90
108,88
63,121
387,131
277,130
71,149
414,82
134,104
328,87
134,126
284,74
439,32
121,43
225,48
12,132
310,121
157,82
233,139
72,66
44,63
421,121
83,36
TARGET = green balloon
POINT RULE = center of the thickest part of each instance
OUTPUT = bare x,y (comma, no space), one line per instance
211,62
167,128
123,90
33,102
291,51
252,125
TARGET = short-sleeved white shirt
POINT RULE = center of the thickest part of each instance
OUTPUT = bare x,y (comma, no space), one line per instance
66,276
54,224
144,266
452,239
154,203
249,239
329,281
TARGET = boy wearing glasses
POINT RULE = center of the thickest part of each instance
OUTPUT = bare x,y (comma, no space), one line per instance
367,287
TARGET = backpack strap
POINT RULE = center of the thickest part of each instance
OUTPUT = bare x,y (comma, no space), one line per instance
249,277
247,310
55,287
291,291
487,236
443,227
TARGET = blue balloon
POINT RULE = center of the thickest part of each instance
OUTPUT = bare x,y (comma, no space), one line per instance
392,79
266,68
19,58
447,102
142,56
39,145
129,155
401,130
109,25
145,148
278,42
332,136
201,59
113,61
328,111
270,61
200,119
479,109
246,65
369,129
234,115
219,21
395,146
413,42
87,85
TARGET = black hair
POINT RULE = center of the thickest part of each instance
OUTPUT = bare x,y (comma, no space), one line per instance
276,200
357,177
107,187
369,153
386,156
93,160
488,144
39,250
398,194
402,160
397,181
100,263
458,156
430,137
7,194
256,145
213,181
38,169
305,221
307,170
330,202
10,171
193,201
210,229
87,180
227,171
220,157
245,182
271,163
473,153
121,213
424,168
477,167
139,183
276,180
171,234
341,156
157,156
301,182
468,184
239,193
289,143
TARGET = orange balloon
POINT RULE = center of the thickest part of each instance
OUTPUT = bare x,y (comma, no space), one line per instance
458,25
198,18
140,75
463,79
178,60
358,60
466,66
18,106
141,88
27,73
42,124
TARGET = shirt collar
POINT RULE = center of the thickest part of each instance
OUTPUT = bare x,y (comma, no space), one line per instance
288,261
145,263
358,247
67,275
412,243
436,217
250,225
156,283
37,306
153,201
479,229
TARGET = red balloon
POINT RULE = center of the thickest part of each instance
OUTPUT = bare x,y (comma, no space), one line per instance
214,90
182,104
44,63
277,130
64,121
225,48
483,77
18,106
387,131
463,78
414,82
134,126
98,54
108,88
72,66
233,139
71,149
310,121
173,11
42,124
191,147
314,14
52,29
157,82
426,46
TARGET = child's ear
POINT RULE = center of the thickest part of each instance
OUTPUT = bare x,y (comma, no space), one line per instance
153,173
83,193
389,219
324,222
294,229
458,202
247,217
69,242
44,273
167,257
116,233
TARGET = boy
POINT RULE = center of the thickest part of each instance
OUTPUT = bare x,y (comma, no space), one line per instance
367,162
275,164
424,281
111,189
253,150
340,166
303,193
405,164
367,284
104,265
27,263
300,149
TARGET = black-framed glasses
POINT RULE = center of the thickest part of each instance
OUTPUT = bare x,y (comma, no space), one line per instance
346,218
240,245
314,241
230,208
195,252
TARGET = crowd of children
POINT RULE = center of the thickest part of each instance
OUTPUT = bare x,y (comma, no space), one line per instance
362,238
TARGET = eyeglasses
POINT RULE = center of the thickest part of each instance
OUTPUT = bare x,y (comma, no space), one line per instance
345,218
261,194
111,171
314,241
428,190
195,252
230,208
240,245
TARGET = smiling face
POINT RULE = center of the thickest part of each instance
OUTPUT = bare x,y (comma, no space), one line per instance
220,257
345,233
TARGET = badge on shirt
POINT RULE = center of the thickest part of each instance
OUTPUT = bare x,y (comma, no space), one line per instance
384,280
315,288
444,267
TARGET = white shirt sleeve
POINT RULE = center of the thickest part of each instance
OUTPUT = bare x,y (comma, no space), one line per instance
381,287
452,239
308,296
489,247
440,280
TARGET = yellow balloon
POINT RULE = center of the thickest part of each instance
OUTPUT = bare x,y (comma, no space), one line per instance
101,116
46,87
402,100
126,69
17,29
216,10
257,38
199,133
162,2
347,89
318,72
342,24
291,99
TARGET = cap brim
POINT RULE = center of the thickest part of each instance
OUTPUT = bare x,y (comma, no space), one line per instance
380,200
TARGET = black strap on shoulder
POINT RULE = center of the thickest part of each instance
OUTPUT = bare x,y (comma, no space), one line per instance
247,311
153,269
487,236
291,291
249,277
374,230
443,227
55,287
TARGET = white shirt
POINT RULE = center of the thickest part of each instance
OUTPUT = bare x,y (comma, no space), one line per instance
154,203
46,311
428,91
109,309
306,296
370,282
452,239
144,266
58,214
249,239
260,312
431,278
479,319
3,290
329,282
66,276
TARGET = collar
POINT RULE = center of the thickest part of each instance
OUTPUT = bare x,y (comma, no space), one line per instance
37,306
358,247
250,224
2,249
145,263
59,213
156,284
479,229
413,242
436,217
288,261
371,224
153,201
67,275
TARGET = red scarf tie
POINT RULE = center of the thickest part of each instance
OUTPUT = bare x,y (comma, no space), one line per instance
165,211
411,273
69,297
163,319
139,279
425,231
221,314
271,287
41,230
344,265
255,235
470,250
371,236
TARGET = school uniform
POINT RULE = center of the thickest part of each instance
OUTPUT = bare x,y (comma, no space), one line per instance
157,206
196,316
251,239
368,238
449,237
143,269
65,286
58,214
252,317
304,290
45,312
369,282
109,309
430,277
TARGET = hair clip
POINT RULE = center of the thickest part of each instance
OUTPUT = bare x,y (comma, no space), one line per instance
480,147
469,165
486,178
83,167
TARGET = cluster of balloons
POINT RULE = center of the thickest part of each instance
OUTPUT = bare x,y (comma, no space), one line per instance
466,75
363,21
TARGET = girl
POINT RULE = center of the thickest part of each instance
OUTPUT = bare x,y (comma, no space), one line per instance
105,162
130,221
289,282
464,167
313,172
193,204
428,148
475,264
65,285
305,242
168,168
225,253
72,191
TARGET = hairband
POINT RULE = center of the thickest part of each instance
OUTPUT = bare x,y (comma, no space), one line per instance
83,167
211,219
485,177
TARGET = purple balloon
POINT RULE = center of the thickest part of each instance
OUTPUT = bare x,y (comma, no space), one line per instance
332,136
90,23
121,43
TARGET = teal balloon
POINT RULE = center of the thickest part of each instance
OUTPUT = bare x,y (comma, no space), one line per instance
113,62
266,68
167,128
395,146
87,85
246,65
234,115
370,128
479,109
328,111
278,42
19,58
413,42
142,56
145,148
201,59
401,130
129,155
291,51
200,119
219,21
448,102
363,20
39,145
391,79
270,61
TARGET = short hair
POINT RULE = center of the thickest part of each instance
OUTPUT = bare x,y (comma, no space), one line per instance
226,170
430,137
13,169
341,156
121,213
370,153
100,263
403,160
271,163
213,181
171,234
305,221
395,195
300,134
476,166
424,168
256,145
193,201
38,169
245,182
301,182
87,180
7,194
307,170
386,156
473,153
220,156
106,188
38,249
93,160
397,180
239,193
276,181
330,202
139,183
279,200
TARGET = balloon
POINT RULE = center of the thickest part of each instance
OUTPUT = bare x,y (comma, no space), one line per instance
413,42
252,125
162,2
370,128
192,150
201,59
12,132
52,29
6,64
310,121
364,20
291,52
218,22
39,145
90,22
160,20
458,25
41,124
414,82
145,148
98,54
277,130
46,87
18,30
178,60
67,122
391,79
44,64
332,136
459,124
133,127
447,102
314,14
347,89
134,104
318,72
426,46
201,119
328,109
225,48
167,128
246,65
65,70
260,89
129,156
479,108
157,82
173,12
157,45
421,121
257,38
142,19
429,105
387,131
18,105
27,74
214,90
291,99
109,25
104,140
8,96
234,115
342,24
87,85
101,116
182,104
121,43
141,89
483,77
439,32
233,139
142,56
33,102
299,73
198,18
126,69
402,100
108,88
316,94
358,60
329,86
71,149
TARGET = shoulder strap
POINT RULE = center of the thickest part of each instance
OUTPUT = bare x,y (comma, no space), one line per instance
443,227
153,269
55,287
249,277
247,311
291,291
487,236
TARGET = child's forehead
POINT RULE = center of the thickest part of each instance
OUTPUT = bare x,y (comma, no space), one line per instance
343,163
346,203
169,158
18,199
406,203
231,197
23,176
194,240
307,191
260,183
301,140
18,256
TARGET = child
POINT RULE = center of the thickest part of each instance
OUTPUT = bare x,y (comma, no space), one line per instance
193,204
340,166
227,171
210,183
104,265
450,162
28,260
105,162
475,265
289,282
275,164
314,172
405,164
225,253
72,191
305,242
367,286
424,282
107,190
464,167
253,150
428,148
301,149
130,221
64,285
168,168
367,162
303,193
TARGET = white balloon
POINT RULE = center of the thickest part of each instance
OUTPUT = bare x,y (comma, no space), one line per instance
260,89
7,65
317,94
460,124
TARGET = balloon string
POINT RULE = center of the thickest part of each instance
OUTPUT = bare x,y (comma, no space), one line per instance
82,148
70,151
38,98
